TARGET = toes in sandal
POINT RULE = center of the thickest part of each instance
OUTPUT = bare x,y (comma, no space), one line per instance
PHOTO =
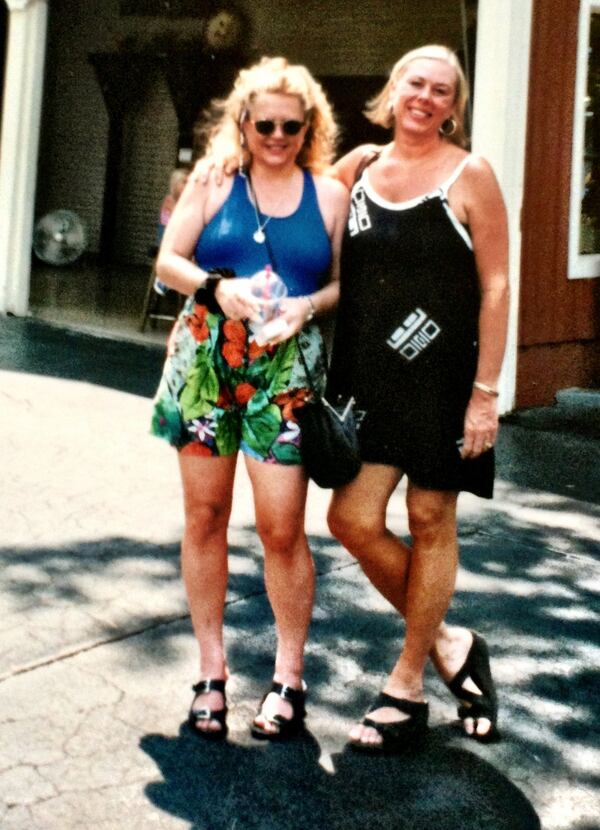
205,715
285,727
473,705
397,736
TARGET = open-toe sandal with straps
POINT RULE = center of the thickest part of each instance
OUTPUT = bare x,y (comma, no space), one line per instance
282,728
205,714
471,704
400,736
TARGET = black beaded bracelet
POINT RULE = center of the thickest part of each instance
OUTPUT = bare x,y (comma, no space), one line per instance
205,295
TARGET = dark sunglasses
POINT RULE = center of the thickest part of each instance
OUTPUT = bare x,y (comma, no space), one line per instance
267,126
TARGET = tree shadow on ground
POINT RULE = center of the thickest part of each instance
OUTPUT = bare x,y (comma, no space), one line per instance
534,605
229,786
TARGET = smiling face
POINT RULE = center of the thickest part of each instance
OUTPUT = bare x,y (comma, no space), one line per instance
277,148
423,96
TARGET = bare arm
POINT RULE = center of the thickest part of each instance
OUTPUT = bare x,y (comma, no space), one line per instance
344,170
174,266
486,216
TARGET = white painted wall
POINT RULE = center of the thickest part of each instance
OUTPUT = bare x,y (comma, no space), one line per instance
22,103
500,131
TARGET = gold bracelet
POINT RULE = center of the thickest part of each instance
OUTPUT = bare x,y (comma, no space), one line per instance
312,310
487,389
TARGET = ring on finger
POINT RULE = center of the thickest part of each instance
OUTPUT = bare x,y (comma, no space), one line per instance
488,445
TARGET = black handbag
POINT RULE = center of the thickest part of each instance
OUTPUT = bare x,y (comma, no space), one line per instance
328,430
328,437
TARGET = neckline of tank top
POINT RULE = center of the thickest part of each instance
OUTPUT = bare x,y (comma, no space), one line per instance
439,191
268,216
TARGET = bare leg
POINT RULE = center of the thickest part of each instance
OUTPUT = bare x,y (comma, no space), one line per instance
402,574
207,489
280,500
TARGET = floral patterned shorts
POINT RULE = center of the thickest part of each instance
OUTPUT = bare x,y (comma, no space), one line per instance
221,392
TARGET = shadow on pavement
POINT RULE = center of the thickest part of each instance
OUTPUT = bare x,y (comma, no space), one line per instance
43,349
234,787
534,606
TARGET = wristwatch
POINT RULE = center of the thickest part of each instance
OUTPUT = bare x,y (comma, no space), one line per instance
205,295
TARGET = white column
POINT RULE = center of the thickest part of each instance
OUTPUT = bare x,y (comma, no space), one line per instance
23,86
500,132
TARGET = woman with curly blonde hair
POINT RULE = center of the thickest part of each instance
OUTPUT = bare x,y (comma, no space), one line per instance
275,75
223,389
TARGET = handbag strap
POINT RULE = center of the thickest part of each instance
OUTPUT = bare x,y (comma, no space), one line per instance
369,157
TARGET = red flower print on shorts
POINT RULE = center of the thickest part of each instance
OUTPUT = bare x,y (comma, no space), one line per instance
235,340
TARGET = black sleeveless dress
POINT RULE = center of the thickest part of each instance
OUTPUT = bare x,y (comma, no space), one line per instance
406,336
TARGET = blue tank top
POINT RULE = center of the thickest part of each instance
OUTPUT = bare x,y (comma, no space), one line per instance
300,243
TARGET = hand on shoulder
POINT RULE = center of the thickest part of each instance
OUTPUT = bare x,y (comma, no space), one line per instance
345,168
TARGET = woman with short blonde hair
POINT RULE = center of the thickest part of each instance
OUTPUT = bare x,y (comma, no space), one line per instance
378,110
420,338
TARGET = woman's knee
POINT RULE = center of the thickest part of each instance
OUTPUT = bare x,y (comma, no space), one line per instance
430,514
206,520
352,528
280,536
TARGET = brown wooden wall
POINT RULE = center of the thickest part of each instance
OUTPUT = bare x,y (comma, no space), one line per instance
559,318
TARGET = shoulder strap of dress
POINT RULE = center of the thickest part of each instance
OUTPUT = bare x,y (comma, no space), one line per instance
368,158
454,176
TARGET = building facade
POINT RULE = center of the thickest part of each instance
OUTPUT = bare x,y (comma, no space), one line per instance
101,98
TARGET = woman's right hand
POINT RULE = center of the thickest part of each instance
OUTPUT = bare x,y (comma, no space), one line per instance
219,167
236,300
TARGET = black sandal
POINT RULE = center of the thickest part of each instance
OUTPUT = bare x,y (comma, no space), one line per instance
473,705
197,715
286,727
397,736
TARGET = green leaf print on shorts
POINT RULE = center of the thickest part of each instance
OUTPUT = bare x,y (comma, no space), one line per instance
280,368
285,453
201,388
262,423
166,420
227,432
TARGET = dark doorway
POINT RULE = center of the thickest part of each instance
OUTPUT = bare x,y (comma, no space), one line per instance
348,95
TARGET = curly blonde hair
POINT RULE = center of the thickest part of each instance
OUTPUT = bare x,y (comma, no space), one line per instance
274,75
378,111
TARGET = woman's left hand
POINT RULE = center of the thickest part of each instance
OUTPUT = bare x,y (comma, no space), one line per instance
294,312
481,425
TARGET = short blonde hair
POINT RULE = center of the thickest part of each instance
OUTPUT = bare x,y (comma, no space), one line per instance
275,75
378,110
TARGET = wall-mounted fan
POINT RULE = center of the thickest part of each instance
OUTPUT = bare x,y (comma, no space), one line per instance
59,238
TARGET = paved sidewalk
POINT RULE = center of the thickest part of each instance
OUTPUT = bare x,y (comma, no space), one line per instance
97,653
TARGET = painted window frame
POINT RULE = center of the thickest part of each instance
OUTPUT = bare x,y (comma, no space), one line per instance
581,266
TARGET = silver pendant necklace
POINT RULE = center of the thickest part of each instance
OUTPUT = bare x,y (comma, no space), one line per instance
259,235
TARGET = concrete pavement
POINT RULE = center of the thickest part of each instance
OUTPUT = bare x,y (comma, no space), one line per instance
97,654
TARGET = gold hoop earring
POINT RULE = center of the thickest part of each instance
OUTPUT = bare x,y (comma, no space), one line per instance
448,128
